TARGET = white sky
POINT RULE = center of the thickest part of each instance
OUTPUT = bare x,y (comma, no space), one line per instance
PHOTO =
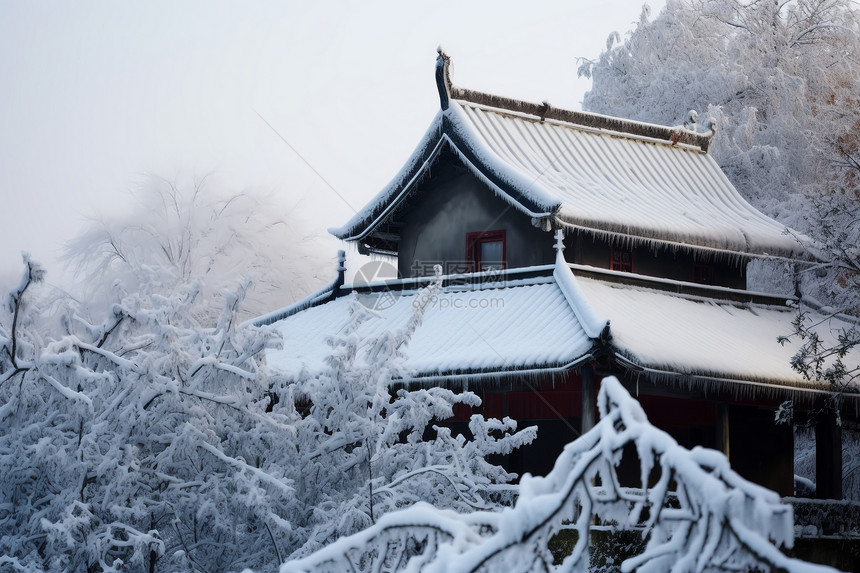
94,96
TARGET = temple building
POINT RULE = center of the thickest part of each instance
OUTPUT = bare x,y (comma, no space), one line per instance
574,246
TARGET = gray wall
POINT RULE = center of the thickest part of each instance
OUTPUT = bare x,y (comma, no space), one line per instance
453,202
450,205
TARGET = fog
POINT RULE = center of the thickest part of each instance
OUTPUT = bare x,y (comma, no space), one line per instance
318,102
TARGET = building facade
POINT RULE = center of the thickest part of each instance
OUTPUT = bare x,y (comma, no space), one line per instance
575,246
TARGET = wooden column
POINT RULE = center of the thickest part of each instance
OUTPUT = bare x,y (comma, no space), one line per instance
828,456
722,438
589,397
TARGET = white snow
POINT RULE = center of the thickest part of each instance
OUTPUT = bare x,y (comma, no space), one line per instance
615,183
702,516
602,181
462,331
479,141
688,334
585,312
543,323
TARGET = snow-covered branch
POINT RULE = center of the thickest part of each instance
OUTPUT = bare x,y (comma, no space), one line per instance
441,471
696,514
153,441
241,465
33,274
68,392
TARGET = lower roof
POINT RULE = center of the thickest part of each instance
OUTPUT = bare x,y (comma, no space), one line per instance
551,318
465,330
679,334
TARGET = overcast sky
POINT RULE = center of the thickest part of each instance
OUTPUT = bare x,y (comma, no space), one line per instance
94,96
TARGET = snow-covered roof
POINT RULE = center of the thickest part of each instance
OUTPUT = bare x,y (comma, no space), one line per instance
667,333
607,175
556,317
521,326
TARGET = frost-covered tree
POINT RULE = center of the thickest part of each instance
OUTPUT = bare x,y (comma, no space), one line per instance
365,439
779,80
174,234
776,77
152,442
140,442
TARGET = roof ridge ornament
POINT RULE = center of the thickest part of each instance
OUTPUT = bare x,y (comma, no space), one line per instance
341,271
545,107
692,120
559,243
443,78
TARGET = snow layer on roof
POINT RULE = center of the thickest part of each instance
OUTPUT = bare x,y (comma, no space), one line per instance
512,175
540,204
595,179
465,331
623,184
591,321
670,332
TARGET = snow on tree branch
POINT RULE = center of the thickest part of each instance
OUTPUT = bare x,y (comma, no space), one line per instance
365,440
154,441
695,512
9,342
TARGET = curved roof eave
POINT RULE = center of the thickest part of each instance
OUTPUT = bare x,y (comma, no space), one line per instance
417,163
449,128
722,381
624,236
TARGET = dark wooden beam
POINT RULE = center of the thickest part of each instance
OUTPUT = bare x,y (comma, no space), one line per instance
828,455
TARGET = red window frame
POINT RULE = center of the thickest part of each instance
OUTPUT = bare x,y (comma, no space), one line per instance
473,247
616,262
